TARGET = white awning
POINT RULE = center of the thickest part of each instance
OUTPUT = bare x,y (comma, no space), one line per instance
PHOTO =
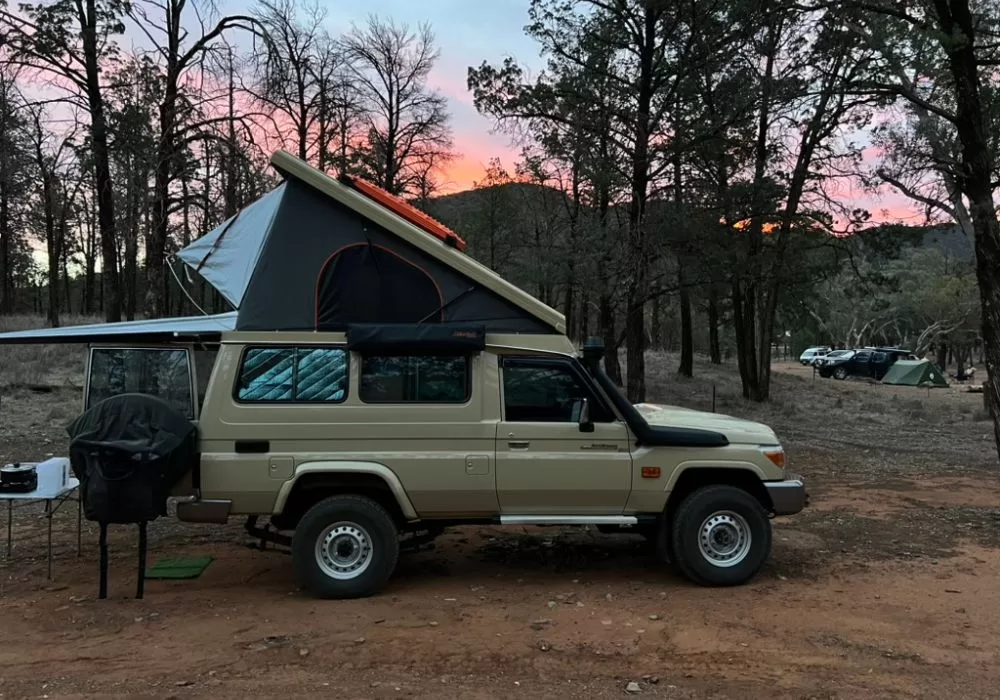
152,330
227,255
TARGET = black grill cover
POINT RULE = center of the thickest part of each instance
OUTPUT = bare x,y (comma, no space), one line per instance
128,451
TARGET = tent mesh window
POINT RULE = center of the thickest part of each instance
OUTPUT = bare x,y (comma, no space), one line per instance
369,283
293,374
415,379
161,372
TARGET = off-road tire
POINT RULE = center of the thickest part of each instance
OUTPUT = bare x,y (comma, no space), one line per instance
840,373
662,540
362,520
693,516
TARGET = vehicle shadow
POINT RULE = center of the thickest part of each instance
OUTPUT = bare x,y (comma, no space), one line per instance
557,557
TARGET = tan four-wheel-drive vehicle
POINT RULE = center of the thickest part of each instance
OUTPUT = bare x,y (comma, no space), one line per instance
376,385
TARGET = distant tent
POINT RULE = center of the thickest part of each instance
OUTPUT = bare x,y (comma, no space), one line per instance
320,254
914,373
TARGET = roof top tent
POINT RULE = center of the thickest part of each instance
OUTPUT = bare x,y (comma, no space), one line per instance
320,254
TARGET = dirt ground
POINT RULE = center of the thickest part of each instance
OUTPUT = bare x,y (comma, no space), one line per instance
884,587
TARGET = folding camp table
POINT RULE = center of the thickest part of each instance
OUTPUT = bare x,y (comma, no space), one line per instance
56,483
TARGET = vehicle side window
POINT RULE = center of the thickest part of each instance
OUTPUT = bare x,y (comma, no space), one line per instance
863,356
161,372
295,375
538,391
880,358
415,379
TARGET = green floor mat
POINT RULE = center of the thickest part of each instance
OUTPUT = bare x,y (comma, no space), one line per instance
179,568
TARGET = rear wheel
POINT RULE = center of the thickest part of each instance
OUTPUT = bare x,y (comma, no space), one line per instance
721,536
345,547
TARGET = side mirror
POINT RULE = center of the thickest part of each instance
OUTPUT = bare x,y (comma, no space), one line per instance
583,417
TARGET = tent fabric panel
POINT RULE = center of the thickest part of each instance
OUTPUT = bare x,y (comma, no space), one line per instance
896,373
360,282
309,228
298,170
281,294
914,373
227,256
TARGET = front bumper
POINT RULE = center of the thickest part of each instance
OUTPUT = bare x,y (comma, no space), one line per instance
788,496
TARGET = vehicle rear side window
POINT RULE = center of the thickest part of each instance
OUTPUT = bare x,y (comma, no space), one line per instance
293,375
539,391
161,372
414,379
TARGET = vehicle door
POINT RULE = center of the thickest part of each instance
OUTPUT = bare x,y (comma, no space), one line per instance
166,372
881,361
860,364
548,461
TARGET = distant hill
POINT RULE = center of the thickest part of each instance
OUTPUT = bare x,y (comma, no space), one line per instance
467,209
951,241
515,209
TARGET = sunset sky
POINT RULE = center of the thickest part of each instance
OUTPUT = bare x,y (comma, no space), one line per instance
468,33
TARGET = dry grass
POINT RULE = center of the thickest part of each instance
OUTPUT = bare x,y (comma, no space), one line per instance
46,364
938,428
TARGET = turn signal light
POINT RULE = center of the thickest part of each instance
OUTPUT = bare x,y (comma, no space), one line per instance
650,472
776,455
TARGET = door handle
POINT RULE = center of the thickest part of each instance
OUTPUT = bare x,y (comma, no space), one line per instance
255,447
518,444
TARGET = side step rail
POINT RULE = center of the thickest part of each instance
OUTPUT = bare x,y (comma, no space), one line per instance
569,520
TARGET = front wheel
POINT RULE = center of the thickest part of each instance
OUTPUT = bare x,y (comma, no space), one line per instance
345,547
840,373
721,536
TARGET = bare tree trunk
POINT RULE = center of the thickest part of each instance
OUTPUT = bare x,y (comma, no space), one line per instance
130,265
6,281
714,350
606,321
686,367
64,266
656,321
90,262
635,319
111,293
51,248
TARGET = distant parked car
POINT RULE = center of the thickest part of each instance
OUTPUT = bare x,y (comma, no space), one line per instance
832,356
810,354
869,362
